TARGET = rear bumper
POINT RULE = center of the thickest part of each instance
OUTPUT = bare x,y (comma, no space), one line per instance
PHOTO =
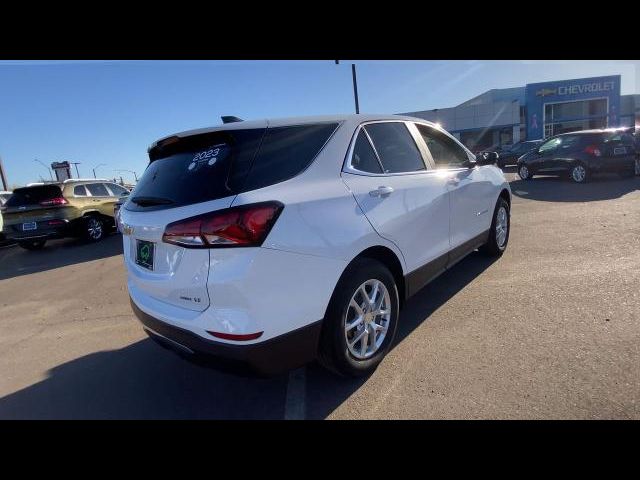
42,232
271,357
622,164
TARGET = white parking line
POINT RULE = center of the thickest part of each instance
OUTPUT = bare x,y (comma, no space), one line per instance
294,407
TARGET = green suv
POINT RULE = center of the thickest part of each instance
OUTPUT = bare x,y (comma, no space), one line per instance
73,208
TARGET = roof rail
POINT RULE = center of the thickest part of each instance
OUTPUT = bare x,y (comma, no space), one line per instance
69,180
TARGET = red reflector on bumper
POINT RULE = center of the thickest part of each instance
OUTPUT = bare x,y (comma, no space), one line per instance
238,338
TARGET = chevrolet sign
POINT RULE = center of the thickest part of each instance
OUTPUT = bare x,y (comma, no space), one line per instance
586,88
546,91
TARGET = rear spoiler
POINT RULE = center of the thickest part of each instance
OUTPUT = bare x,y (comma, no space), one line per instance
230,119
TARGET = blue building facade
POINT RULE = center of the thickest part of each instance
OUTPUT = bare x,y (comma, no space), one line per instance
506,116
569,105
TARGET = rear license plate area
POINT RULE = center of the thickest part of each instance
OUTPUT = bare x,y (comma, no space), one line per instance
29,226
145,253
620,151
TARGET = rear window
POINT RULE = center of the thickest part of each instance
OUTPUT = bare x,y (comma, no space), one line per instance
285,152
215,165
196,169
24,197
624,138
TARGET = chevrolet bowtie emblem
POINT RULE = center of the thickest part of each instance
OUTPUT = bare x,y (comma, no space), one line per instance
546,91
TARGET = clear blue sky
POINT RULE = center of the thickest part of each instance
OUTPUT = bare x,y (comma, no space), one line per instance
109,112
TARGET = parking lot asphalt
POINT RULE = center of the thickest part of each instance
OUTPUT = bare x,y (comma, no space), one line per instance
551,330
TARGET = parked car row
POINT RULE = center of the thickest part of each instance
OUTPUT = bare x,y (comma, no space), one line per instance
73,208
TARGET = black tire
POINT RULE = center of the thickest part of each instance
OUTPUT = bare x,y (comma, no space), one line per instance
493,248
579,178
524,173
93,229
333,352
32,244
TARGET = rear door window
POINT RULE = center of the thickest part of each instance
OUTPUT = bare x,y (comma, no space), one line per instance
29,196
79,191
395,146
97,190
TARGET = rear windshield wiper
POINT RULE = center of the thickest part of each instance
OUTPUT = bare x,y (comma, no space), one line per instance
150,201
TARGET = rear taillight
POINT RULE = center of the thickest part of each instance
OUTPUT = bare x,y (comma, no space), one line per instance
54,201
243,226
593,150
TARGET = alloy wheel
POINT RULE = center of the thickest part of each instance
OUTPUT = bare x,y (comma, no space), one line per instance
94,228
367,319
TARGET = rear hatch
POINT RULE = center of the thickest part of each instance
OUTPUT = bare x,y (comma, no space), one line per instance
186,177
618,148
30,209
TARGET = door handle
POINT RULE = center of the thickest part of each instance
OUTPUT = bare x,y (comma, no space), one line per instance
381,192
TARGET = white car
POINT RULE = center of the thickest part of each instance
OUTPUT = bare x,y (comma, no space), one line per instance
276,242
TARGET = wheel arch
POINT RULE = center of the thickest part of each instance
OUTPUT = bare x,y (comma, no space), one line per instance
389,259
506,195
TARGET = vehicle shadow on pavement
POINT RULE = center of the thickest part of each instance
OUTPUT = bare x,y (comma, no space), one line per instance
557,189
16,261
144,381
325,391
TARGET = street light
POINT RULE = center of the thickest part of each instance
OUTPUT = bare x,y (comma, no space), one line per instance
355,84
48,169
130,171
99,165
76,164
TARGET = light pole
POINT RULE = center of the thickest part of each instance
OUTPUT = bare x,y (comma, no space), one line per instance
94,168
48,169
355,85
76,164
130,171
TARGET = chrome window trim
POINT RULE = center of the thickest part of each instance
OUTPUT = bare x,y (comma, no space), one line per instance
348,168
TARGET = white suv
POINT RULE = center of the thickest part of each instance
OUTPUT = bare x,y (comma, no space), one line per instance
277,242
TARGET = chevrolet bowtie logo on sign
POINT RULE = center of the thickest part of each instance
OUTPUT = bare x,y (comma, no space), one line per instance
546,91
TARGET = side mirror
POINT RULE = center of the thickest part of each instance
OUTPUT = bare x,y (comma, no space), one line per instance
487,158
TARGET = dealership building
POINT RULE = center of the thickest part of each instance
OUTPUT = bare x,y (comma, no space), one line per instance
537,110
